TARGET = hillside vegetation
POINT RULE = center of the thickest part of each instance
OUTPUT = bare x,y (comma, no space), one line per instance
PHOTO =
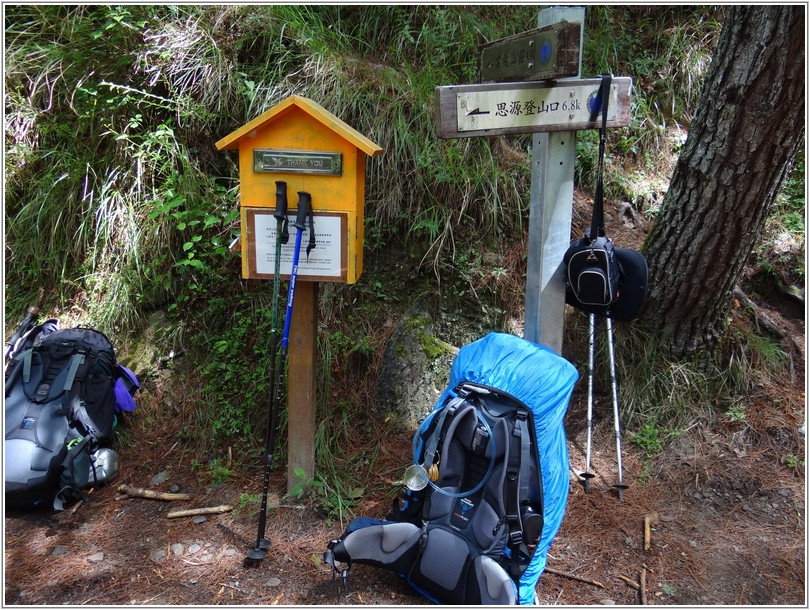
120,209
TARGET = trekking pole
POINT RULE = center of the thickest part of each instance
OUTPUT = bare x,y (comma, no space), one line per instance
620,485
27,323
282,236
304,211
588,475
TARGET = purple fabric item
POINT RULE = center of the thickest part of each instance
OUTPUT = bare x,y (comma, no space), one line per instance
125,387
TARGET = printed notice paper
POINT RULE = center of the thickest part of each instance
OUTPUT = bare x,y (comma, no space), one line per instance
326,261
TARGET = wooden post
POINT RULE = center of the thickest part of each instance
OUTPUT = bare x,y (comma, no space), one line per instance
550,207
301,378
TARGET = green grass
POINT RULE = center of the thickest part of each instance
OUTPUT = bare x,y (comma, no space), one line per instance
165,82
660,395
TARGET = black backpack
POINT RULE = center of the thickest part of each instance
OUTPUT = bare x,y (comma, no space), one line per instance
60,413
479,513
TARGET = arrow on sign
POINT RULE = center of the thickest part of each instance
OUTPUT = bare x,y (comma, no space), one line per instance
528,107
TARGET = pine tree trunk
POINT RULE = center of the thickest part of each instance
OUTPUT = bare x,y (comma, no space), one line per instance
747,130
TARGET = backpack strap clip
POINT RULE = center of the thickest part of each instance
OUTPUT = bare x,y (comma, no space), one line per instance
515,531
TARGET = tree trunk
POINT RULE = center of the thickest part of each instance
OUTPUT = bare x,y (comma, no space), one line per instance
747,130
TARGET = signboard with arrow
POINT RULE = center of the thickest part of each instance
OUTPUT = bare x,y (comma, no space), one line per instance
496,109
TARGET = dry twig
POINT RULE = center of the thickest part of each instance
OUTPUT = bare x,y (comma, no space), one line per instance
629,581
139,492
650,519
643,586
191,512
588,581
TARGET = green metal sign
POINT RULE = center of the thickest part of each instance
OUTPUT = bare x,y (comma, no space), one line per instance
545,53
298,162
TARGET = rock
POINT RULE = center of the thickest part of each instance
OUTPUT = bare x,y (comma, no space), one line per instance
200,519
159,478
274,582
59,550
194,548
140,354
177,549
415,369
158,556
96,557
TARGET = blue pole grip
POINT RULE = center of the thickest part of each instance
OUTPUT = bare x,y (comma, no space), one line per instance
285,335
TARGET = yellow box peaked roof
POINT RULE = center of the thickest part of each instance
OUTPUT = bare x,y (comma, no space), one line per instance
317,112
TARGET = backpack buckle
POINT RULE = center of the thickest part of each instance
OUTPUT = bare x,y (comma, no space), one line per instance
521,415
515,535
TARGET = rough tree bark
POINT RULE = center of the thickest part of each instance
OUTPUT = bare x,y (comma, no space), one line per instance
747,130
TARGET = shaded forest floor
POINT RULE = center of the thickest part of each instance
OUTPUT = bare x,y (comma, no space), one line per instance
726,504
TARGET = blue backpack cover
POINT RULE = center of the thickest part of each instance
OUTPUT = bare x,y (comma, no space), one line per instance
507,375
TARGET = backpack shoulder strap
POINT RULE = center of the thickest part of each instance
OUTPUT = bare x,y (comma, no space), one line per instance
76,360
432,444
64,380
517,485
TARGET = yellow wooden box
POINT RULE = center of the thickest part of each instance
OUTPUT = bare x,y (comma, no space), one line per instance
311,150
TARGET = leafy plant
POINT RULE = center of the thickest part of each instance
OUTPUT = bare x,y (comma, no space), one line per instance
236,370
793,462
648,439
219,472
248,501
336,499
736,413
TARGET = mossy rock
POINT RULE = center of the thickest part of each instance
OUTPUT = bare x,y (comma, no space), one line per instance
415,369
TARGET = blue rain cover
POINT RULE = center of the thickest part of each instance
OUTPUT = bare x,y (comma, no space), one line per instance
543,381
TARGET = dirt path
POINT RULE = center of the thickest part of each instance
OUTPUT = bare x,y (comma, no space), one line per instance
729,528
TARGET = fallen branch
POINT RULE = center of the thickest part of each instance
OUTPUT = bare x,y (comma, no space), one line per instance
139,492
191,512
588,581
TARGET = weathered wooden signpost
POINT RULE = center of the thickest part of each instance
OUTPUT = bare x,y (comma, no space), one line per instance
313,151
543,99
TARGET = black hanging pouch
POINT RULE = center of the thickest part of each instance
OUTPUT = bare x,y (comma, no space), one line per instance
601,278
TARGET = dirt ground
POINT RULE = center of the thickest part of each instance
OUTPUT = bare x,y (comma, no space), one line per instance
725,504
728,528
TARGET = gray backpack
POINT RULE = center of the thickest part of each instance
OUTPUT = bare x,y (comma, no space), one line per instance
60,418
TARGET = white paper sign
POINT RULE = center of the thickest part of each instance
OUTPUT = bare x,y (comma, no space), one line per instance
324,261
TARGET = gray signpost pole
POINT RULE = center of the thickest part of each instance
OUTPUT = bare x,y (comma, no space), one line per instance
550,206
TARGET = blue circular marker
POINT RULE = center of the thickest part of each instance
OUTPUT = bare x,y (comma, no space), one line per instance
594,103
545,52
